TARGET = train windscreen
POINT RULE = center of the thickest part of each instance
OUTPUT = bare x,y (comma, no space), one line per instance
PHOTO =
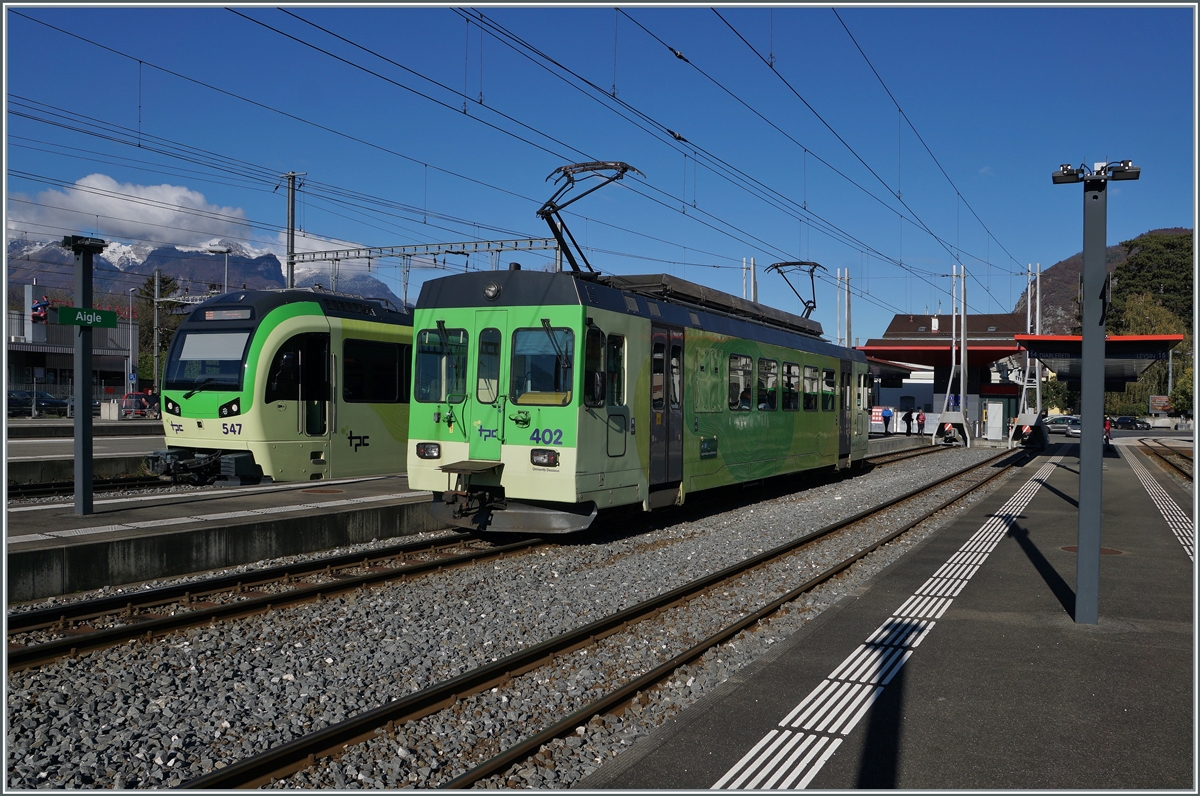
207,360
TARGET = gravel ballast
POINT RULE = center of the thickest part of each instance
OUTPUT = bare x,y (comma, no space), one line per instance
156,714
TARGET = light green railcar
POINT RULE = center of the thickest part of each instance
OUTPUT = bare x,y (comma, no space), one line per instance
541,398
286,385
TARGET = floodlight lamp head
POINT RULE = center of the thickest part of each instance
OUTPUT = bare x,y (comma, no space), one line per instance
1125,170
1066,173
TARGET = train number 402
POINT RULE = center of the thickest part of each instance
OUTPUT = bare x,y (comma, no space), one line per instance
546,436
231,428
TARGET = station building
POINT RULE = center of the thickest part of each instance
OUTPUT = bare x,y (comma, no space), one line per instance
912,363
41,356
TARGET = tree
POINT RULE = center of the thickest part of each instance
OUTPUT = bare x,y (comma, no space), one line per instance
1159,264
1056,395
167,322
1145,314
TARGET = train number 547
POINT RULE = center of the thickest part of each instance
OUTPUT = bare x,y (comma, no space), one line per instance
231,428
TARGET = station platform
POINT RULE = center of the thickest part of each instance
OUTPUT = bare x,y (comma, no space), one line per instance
51,551
960,666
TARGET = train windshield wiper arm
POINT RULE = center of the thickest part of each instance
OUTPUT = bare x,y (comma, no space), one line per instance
558,352
201,386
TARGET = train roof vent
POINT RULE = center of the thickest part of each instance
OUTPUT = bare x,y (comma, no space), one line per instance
631,304
653,309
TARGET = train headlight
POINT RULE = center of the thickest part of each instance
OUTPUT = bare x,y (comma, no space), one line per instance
491,291
541,457
230,409
429,450
172,408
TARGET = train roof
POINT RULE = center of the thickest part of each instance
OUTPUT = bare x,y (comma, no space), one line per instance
659,297
335,305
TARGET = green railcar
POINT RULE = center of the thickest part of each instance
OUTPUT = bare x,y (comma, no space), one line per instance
286,385
541,398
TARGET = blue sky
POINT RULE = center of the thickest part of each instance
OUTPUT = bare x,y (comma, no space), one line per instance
1000,96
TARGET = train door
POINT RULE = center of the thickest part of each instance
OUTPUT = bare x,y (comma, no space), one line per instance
847,410
298,385
485,425
666,405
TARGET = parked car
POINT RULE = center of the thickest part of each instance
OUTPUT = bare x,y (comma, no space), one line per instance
1074,428
1132,423
1058,423
19,402
47,404
71,405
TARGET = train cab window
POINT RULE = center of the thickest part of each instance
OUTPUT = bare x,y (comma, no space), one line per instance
829,391
791,387
207,360
658,368
441,372
593,368
375,372
676,376
616,370
543,366
811,388
487,385
741,370
768,385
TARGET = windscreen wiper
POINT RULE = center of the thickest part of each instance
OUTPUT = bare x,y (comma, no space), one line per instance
201,386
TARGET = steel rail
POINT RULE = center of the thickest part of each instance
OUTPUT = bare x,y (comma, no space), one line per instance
49,488
621,697
35,655
901,455
62,615
1162,458
302,752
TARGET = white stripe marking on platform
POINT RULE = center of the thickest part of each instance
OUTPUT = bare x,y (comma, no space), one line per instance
841,700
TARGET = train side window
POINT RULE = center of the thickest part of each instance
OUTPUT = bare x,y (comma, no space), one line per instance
658,367
811,388
441,372
372,372
487,386
616,370
676,375
741,370
593,368
791,387
828,391
768,385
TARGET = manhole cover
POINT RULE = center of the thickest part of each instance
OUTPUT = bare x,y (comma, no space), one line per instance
323,491
1104,551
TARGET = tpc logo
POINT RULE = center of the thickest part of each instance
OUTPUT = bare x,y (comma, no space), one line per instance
487,433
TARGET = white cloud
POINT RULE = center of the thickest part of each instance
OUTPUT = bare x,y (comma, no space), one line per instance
98,204
986,171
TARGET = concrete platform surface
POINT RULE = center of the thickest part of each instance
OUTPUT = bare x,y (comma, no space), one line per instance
51,550
27,428
960,666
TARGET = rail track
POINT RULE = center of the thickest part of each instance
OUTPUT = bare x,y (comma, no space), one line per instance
333,740
1168,456
156,612
54,488
86,625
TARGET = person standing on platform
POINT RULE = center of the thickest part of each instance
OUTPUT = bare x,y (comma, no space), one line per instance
1107,431
921,423
908,418
886,414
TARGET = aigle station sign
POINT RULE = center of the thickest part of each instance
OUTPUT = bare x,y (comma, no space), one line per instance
75,316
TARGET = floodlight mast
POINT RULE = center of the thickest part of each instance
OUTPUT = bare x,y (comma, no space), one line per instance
551,211
801,265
